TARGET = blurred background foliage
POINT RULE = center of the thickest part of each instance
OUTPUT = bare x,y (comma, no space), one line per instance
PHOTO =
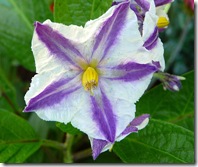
17,68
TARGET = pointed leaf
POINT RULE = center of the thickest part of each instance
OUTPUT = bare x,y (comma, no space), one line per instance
17,139
78,12
17,19
7,93
159,142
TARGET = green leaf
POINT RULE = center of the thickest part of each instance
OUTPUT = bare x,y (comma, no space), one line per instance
78,12
41,127
68,128
7,93
17,139
174,107
159,142
17,19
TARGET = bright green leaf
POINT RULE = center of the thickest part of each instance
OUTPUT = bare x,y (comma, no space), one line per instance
78,12
17,139
159,142
17,19
174,107
68,128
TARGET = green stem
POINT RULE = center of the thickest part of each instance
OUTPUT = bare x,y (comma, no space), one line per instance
68,158
179,46
82,154
53,144
11,103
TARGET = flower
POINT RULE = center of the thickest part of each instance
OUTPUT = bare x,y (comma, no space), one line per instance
140,7
170,82
146,13
91,76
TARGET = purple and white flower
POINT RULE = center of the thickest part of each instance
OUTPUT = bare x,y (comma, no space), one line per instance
92,76
147,17
169,81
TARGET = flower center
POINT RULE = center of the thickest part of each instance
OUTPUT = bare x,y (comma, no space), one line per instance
90,79
162,22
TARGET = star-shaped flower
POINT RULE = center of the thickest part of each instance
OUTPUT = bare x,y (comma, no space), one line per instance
92,76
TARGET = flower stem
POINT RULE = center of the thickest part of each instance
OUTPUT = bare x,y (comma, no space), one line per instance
179,46
82,154
53,144
68,158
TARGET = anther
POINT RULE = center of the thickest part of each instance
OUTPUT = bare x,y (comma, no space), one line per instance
162,22
90,79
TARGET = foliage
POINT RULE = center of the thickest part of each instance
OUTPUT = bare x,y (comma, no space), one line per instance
169,137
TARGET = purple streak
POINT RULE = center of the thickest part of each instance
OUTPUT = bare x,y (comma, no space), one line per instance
133,125
133,71
138,120
97,147
129,129
51,95
60,47
162,2
110,30
144,4
103,116
151,42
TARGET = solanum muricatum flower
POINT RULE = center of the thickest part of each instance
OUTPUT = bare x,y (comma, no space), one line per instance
91,76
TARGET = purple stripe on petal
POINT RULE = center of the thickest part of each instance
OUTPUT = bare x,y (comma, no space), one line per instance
103,115
129,129
151,42
133,125
51,95
157,64
162,2
60,47
137,121
111,29
97,147
133,71
144,4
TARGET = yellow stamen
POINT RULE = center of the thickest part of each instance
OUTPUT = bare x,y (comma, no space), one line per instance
162,22
90,79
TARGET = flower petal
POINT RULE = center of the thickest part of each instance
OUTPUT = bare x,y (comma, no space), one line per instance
144,4
128,72
109,30
107,117
52,94
100,120
97,147
137,124
57,101
150,36
117,30
140,122
52,49
151,42
162,2
104,116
